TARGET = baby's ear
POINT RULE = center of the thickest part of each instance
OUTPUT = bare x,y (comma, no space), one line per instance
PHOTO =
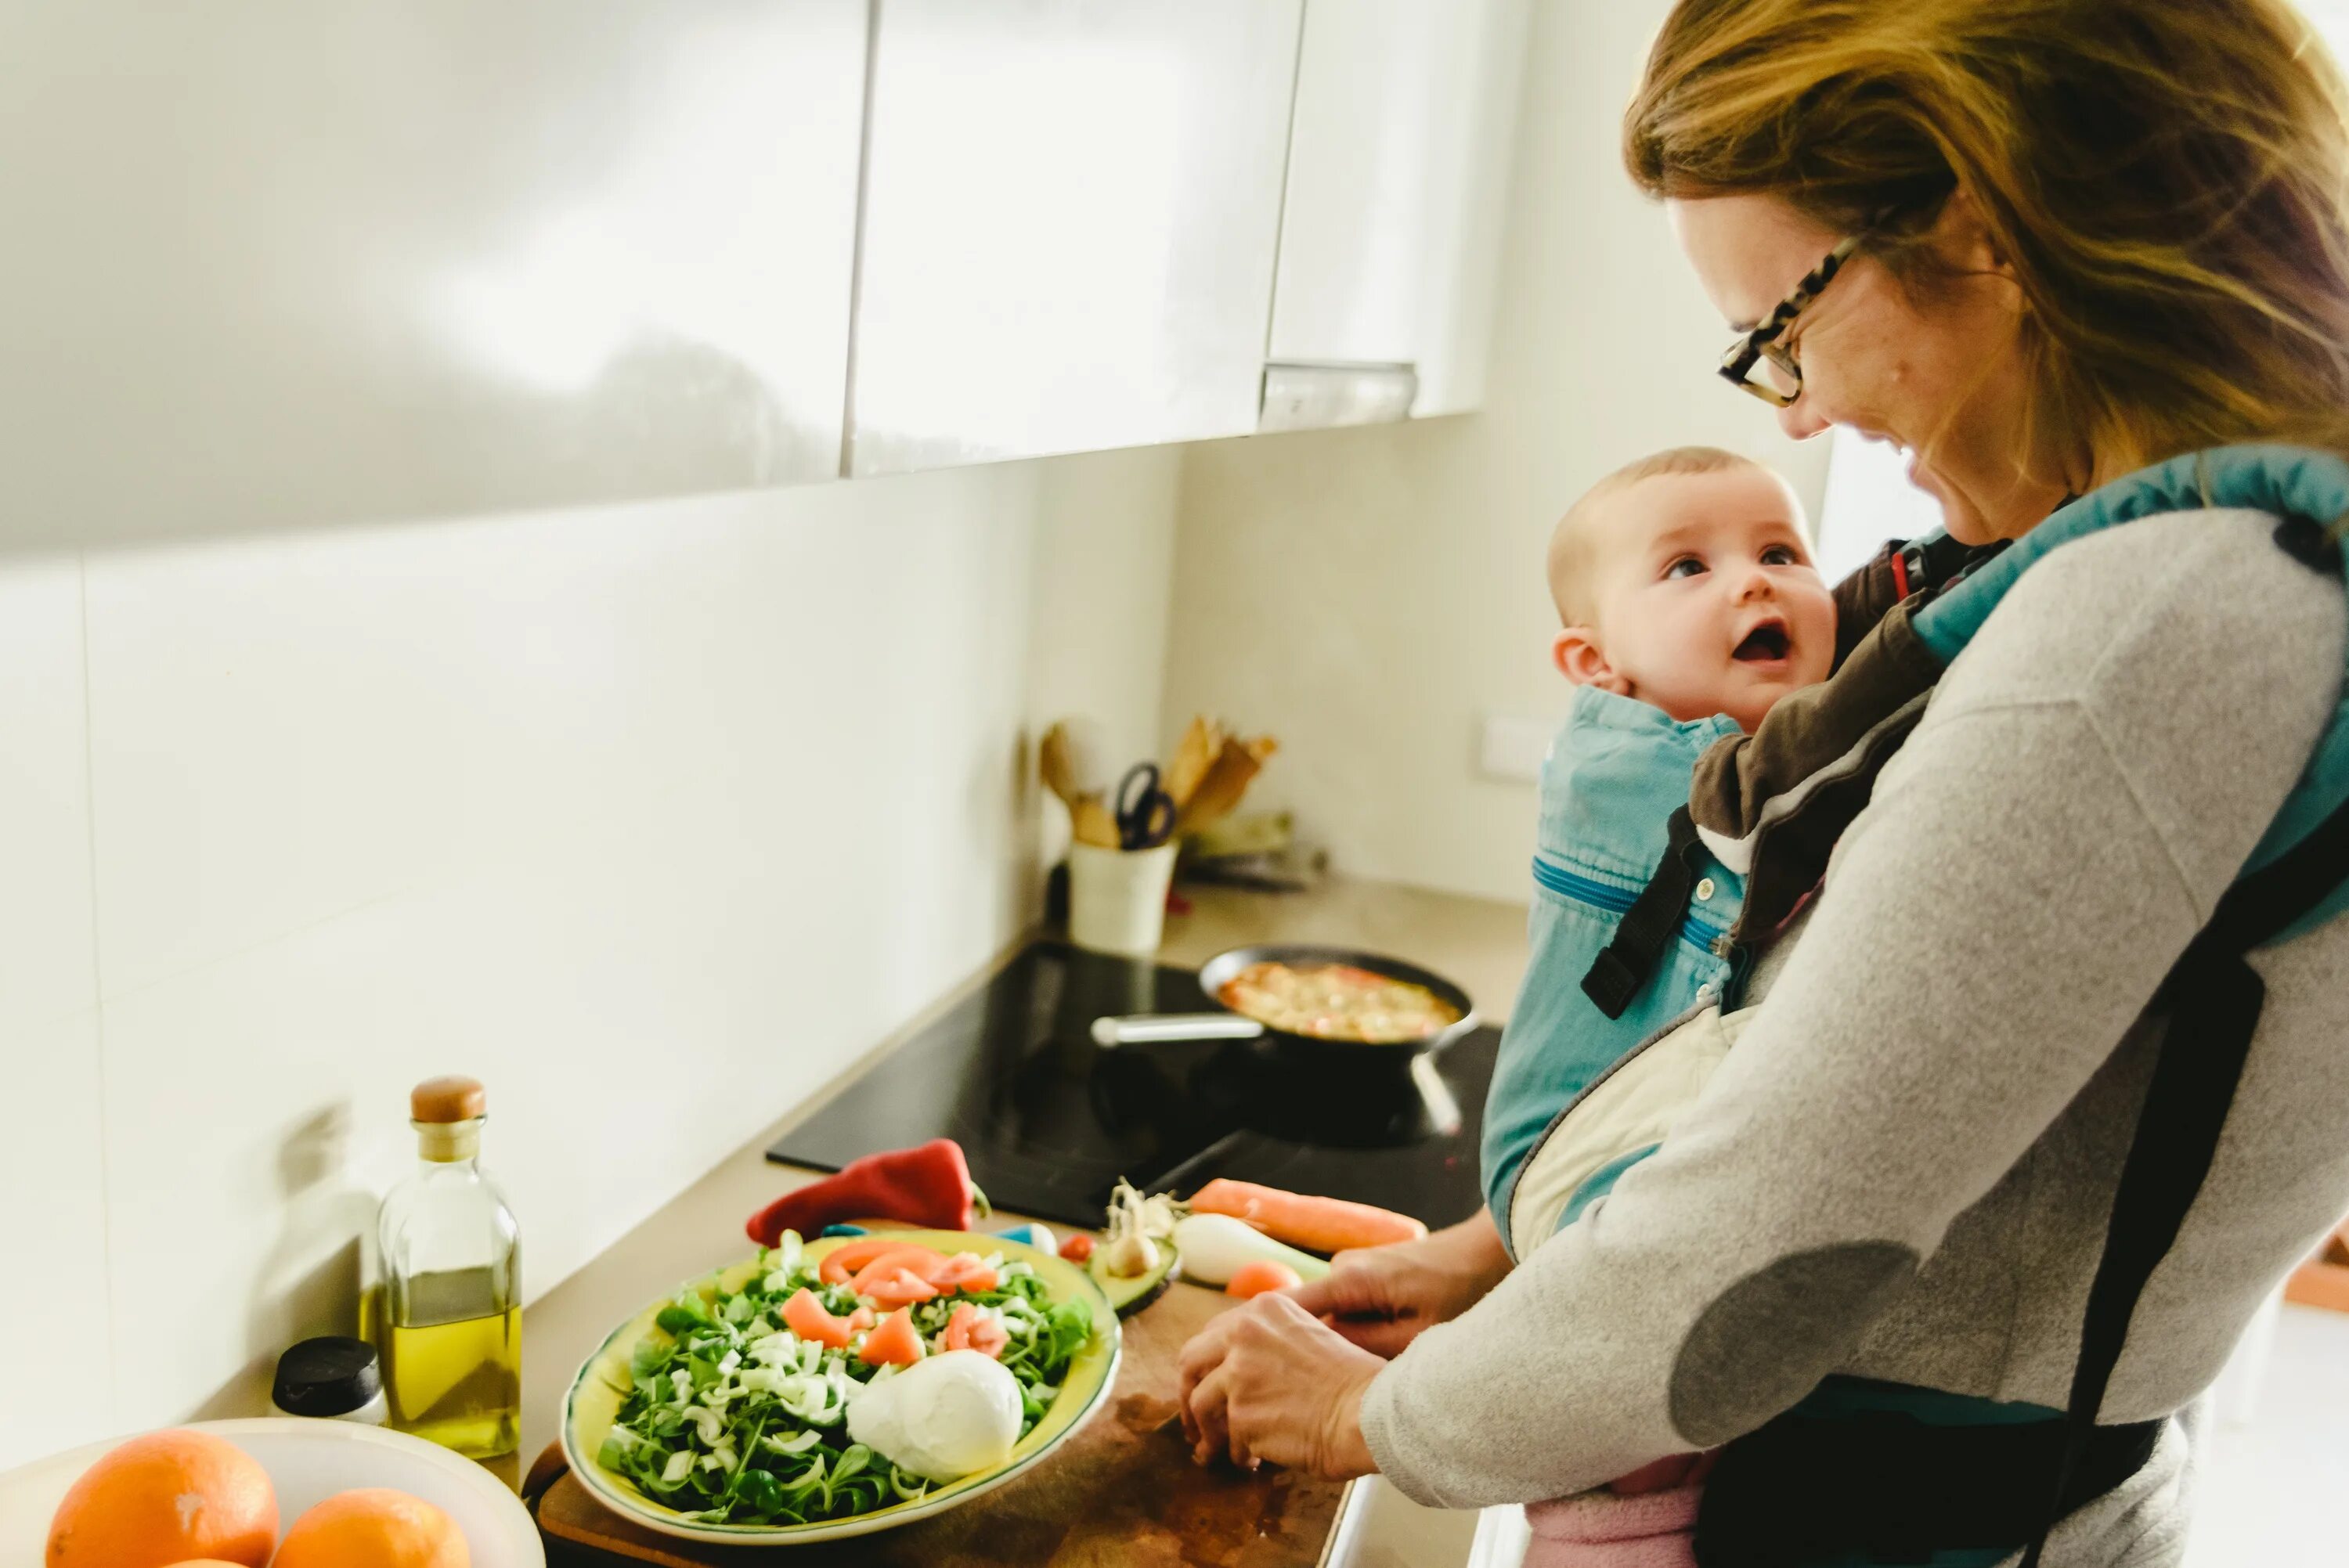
1579,658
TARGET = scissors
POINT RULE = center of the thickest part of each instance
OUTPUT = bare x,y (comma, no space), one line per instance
1145,813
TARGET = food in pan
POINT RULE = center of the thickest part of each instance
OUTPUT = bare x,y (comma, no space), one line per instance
1337,1002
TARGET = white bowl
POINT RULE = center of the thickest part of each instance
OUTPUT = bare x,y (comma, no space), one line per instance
308,1462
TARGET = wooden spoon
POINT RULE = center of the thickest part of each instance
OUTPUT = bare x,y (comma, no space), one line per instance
1060,776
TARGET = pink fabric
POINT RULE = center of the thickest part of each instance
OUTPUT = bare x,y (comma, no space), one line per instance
1645,1520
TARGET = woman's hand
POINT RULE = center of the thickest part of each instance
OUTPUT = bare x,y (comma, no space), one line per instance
1269,1380
1382,1298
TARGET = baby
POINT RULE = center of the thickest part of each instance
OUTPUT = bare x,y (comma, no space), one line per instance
1682,581
1688,607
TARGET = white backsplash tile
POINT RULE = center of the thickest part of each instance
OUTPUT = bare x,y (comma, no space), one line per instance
57,1361
47,961
286,730
654,817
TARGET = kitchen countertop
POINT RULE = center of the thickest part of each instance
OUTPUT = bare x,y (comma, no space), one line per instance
1478,943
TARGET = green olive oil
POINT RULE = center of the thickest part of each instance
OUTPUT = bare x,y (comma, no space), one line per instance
446,1318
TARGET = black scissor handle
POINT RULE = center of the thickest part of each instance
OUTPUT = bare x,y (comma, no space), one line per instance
1145,813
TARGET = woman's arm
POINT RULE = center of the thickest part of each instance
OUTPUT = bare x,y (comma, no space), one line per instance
2090,778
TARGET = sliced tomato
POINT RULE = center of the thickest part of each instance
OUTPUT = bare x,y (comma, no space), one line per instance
1077,1248
863,1318
841,1262
894,1342
964,1271
972,1327
804,1315
919,1261
900,1286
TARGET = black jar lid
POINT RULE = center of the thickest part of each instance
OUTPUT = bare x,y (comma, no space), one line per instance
327,1376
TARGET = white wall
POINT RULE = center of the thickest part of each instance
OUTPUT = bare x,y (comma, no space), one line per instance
653,816
1365,594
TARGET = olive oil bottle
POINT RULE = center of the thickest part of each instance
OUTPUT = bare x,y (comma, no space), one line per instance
446,1318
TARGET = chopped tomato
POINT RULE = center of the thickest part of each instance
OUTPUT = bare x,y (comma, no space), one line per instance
894,1342
841,1262
863,1318
900,1286
1077,1248
804,1315
919,1261
964,1271
973,1327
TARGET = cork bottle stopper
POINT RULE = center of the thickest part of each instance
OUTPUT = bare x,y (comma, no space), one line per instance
441,1100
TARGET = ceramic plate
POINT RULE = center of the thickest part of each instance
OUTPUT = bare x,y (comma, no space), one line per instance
602,1384
308,1462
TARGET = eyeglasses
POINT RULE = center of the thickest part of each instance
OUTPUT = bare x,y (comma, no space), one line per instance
1759,362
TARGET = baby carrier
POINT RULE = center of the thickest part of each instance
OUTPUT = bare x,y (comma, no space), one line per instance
1768,808
1629,902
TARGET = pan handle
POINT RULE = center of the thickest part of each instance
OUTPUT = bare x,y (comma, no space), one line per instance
1146,1029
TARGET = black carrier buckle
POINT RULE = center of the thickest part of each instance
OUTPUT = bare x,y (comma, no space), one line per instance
1621,970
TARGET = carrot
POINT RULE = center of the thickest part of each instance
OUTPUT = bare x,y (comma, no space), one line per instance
1260,1275
805,1316
841,1261
1323,1225
894,1342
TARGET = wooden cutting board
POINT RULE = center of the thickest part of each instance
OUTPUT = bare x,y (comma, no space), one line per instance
1121,1492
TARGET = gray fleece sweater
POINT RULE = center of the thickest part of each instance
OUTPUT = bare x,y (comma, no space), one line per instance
1903,1170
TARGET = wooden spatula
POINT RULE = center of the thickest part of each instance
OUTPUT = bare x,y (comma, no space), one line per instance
1092,822
1200,743
1235,767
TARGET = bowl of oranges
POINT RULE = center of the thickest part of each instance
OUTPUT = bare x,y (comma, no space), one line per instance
274,1493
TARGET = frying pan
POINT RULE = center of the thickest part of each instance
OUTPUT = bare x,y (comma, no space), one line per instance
1227,1023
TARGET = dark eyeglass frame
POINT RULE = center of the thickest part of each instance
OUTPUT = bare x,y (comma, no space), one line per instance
1765,341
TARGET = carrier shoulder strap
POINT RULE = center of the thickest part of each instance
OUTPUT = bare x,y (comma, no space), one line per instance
1622,967
2212,998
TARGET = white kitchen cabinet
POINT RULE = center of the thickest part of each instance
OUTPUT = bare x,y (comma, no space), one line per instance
299,261
1071,213
1397,176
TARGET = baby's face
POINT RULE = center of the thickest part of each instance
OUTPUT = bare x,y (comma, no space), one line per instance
1706,598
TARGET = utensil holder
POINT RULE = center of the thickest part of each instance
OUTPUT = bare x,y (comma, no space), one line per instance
1117,898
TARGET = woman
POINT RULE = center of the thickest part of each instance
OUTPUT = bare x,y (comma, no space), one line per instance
2076,237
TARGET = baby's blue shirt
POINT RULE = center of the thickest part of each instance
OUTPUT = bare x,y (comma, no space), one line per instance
1615,771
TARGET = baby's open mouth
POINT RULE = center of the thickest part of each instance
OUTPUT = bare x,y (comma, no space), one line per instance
1764,643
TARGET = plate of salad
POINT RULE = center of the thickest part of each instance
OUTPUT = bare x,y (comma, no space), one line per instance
838,1386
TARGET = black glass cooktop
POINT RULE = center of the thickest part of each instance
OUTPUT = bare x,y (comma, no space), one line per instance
1049,1121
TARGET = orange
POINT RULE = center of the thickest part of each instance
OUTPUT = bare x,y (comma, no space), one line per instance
374,1528
164,1499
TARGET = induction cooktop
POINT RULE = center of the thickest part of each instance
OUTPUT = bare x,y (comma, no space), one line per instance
1049,1121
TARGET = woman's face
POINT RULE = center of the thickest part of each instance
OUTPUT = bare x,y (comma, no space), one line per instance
1937,370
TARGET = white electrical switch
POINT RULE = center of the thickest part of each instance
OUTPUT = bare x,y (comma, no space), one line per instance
1513,745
